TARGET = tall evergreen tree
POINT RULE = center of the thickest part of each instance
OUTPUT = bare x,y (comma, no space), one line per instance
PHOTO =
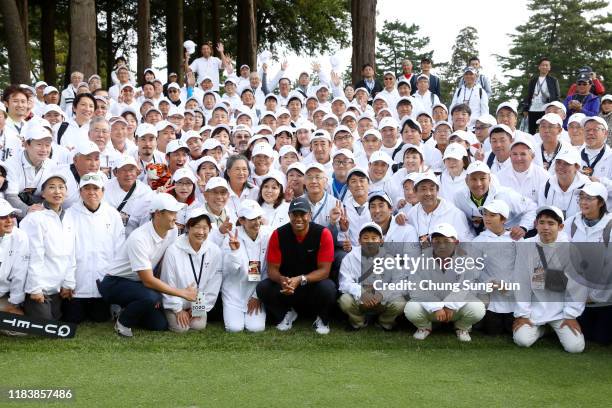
466,46
398,41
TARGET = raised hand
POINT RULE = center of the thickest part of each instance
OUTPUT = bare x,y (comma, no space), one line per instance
335,213
225,227
220,48
234,242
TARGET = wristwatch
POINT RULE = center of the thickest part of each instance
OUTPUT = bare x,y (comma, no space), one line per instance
304,280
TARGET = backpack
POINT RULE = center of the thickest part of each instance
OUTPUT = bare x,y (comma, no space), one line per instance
459,91
547,188
606,231
61,131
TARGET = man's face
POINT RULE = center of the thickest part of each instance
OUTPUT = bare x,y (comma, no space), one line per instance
544,67
91,195
469,78
475,64
126,175
380,211
17,105
389,136
240,140
304,79
166,219
389,81
549,132
548,228
76,78
507,117
371,144
343,140
146,144
427,193
565,170
87,163
39,150
422,86
217,198
100,135
478,183
341,165
460,119
177,159
425,66
500,143
595,134
316,181
407,67
358,185
149,91
284,86
443,247
583,87
521,157
206,50
378,170
52,97
321,150
164,137
370,242
245,72
123,76
127,94
299,221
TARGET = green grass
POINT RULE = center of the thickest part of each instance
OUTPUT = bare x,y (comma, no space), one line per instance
370,368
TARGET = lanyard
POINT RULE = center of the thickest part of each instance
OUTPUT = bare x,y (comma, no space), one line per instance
548,162
539,87
320,208
467,101
199,277
585,157
258,259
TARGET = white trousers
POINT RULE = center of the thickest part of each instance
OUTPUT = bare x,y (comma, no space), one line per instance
464,318
196,323
236,320
526,335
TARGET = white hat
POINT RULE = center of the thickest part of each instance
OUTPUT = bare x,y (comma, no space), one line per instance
6,208
551,118
126,161
295,95
197,212
86,147
496,207
287,149
215,182
189,47
407,119
321,134
164,201
145,129
231,80
97,179
37,132
49,90
552,208
422,76
454,151
380,194
275,175
427,176
175,145
357,170
282,129
342,128
439,105
388,122
607,97
339,99
407,146
271,95
240,128
379,155
576,118
505,128
442,123
174,85
444,229
348,114
569,155
597,119
205,159
520,139
51,108
487,119
595,189
268,113
380,97
126,85
478,166
298,166
345,152
206,128
259,136
316,166
507,105
211,143
249,209
175,111
371,225
556,104
191,134
361,88
282,111
120,119
262,128
264,149
373,132
184,172
330,116
162,124
222,126
55,174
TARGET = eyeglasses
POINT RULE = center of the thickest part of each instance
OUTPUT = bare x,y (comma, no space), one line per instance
593,130
548,127
342,162
480,127
342,137
315,178
9,216
584,197
183,183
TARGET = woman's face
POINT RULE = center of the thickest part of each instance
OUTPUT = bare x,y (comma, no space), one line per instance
239,172
183,189
270,191
285,161
262,163
207,171
303,137
412,162
251,226
199,232
283,139
84,109
411,136
132,123
223,137
453,165
55,191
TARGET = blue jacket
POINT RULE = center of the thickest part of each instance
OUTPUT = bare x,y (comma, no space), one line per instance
590,106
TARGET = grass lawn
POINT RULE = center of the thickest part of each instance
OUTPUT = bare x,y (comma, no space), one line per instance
370,368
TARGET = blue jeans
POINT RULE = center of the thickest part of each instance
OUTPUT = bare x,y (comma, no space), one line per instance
141,306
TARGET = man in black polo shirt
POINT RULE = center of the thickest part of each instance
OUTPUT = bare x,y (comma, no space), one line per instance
299,257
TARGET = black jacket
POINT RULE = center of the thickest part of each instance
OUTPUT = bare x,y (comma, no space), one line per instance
553,88
377,87
434,84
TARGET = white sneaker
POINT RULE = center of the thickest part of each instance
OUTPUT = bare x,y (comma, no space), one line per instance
320,327
421,334
463,335
122,330
287,322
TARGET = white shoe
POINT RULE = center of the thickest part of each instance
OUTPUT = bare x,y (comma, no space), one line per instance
122,330
421,334
287,322
320,327
463,335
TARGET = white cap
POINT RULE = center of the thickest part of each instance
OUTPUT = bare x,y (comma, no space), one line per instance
162,124
487,119
6,208
597,119
345,152
49,108
145,129
275,175
505,128
191,134
339,99
379,155
210,144
520,139
175,145
442,123
86,147
454,151
206,159
230,79
298,166
358,170
380,194
361,88
55,174
283,128
37,132
321,134
215,182
342,128
240,128
552,208
282,111
551,118
49,90
164,201
569,155
439,105
174,85
496,207
97,179
371,225
348,114
184,172
259,136
121,119
478,166
175,111
126,85
373,132
249,209
444,229
388,122
315,166
595,189
126,160
407,146
330,116
262,128
576,118
427,176
408,119
604,98
264,149
287,149
196,212
557,104
507,105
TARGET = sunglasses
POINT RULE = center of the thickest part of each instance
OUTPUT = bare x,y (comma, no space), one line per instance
9,216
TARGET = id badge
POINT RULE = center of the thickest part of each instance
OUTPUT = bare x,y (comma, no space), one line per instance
537,279
254,271
198,309
125,218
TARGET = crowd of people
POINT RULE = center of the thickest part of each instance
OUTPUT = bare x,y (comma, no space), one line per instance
250,193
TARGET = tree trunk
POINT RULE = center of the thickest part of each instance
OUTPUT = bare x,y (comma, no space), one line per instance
201,24
247,35
216,25
22,6
83,37
18,58
47,41
363,23
174,38
144,38
110,51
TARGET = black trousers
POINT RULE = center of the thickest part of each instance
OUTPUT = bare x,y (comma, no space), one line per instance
532,119
495,324
78,310
596,323
318,297
50,309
